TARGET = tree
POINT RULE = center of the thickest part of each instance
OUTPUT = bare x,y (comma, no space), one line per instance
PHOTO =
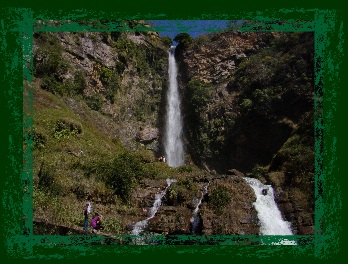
184,40
167,41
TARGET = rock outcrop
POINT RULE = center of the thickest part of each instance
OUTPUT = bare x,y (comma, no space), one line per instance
121,74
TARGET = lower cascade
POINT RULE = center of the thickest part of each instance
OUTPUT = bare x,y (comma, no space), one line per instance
195,219
141,225
268,213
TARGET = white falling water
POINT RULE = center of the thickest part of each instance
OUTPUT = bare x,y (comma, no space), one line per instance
173,145
141,225
195,220
270,217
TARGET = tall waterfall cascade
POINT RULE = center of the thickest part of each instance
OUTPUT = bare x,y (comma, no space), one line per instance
270,217
141,225
173,143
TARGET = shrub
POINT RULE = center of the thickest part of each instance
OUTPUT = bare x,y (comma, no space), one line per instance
39,139
64,128
50,84
112,225
167,41
80,82
94,101
259,172
48,59
157,170
185,168
184,40
218,198
146,156
123,174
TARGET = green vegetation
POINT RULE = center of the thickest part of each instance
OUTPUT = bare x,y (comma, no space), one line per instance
167,41
198,95
123,173
63,175
271,90
259,172
184,40
218,198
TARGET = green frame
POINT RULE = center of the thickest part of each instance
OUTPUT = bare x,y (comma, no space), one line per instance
17,28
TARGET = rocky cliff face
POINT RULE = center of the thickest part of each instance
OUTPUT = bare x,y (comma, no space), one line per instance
249,105
232,214
119,74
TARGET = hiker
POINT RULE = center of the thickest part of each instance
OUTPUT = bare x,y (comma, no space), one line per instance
96,222
160,159
163,159
87,212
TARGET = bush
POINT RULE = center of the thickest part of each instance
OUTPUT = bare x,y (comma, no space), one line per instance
48,59
167,41
64,128
146,156
123,174
184,40
39,139
185,168
50,84
157,170
259,172
94,101
80,82
218,198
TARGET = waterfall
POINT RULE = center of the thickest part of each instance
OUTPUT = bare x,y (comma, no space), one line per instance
141,225
268,213
195,219
173,145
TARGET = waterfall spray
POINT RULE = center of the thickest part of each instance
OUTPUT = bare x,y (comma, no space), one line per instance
270,217
141,225
173,145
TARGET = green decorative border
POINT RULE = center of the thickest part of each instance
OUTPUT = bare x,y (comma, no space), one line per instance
17,28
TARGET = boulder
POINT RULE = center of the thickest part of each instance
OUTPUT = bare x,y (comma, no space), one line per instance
147,135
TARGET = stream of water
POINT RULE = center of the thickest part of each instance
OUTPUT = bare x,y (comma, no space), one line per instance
173,144
270,217
141,225
195,219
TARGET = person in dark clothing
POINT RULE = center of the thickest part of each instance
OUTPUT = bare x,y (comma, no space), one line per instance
87,212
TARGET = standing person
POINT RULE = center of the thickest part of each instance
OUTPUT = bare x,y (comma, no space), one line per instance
87,212
164,159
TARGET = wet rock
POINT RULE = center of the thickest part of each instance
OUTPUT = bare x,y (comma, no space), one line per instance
171,219
305,230
280,196
238,217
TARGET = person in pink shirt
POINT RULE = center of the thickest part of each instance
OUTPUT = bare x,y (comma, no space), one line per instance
96,222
